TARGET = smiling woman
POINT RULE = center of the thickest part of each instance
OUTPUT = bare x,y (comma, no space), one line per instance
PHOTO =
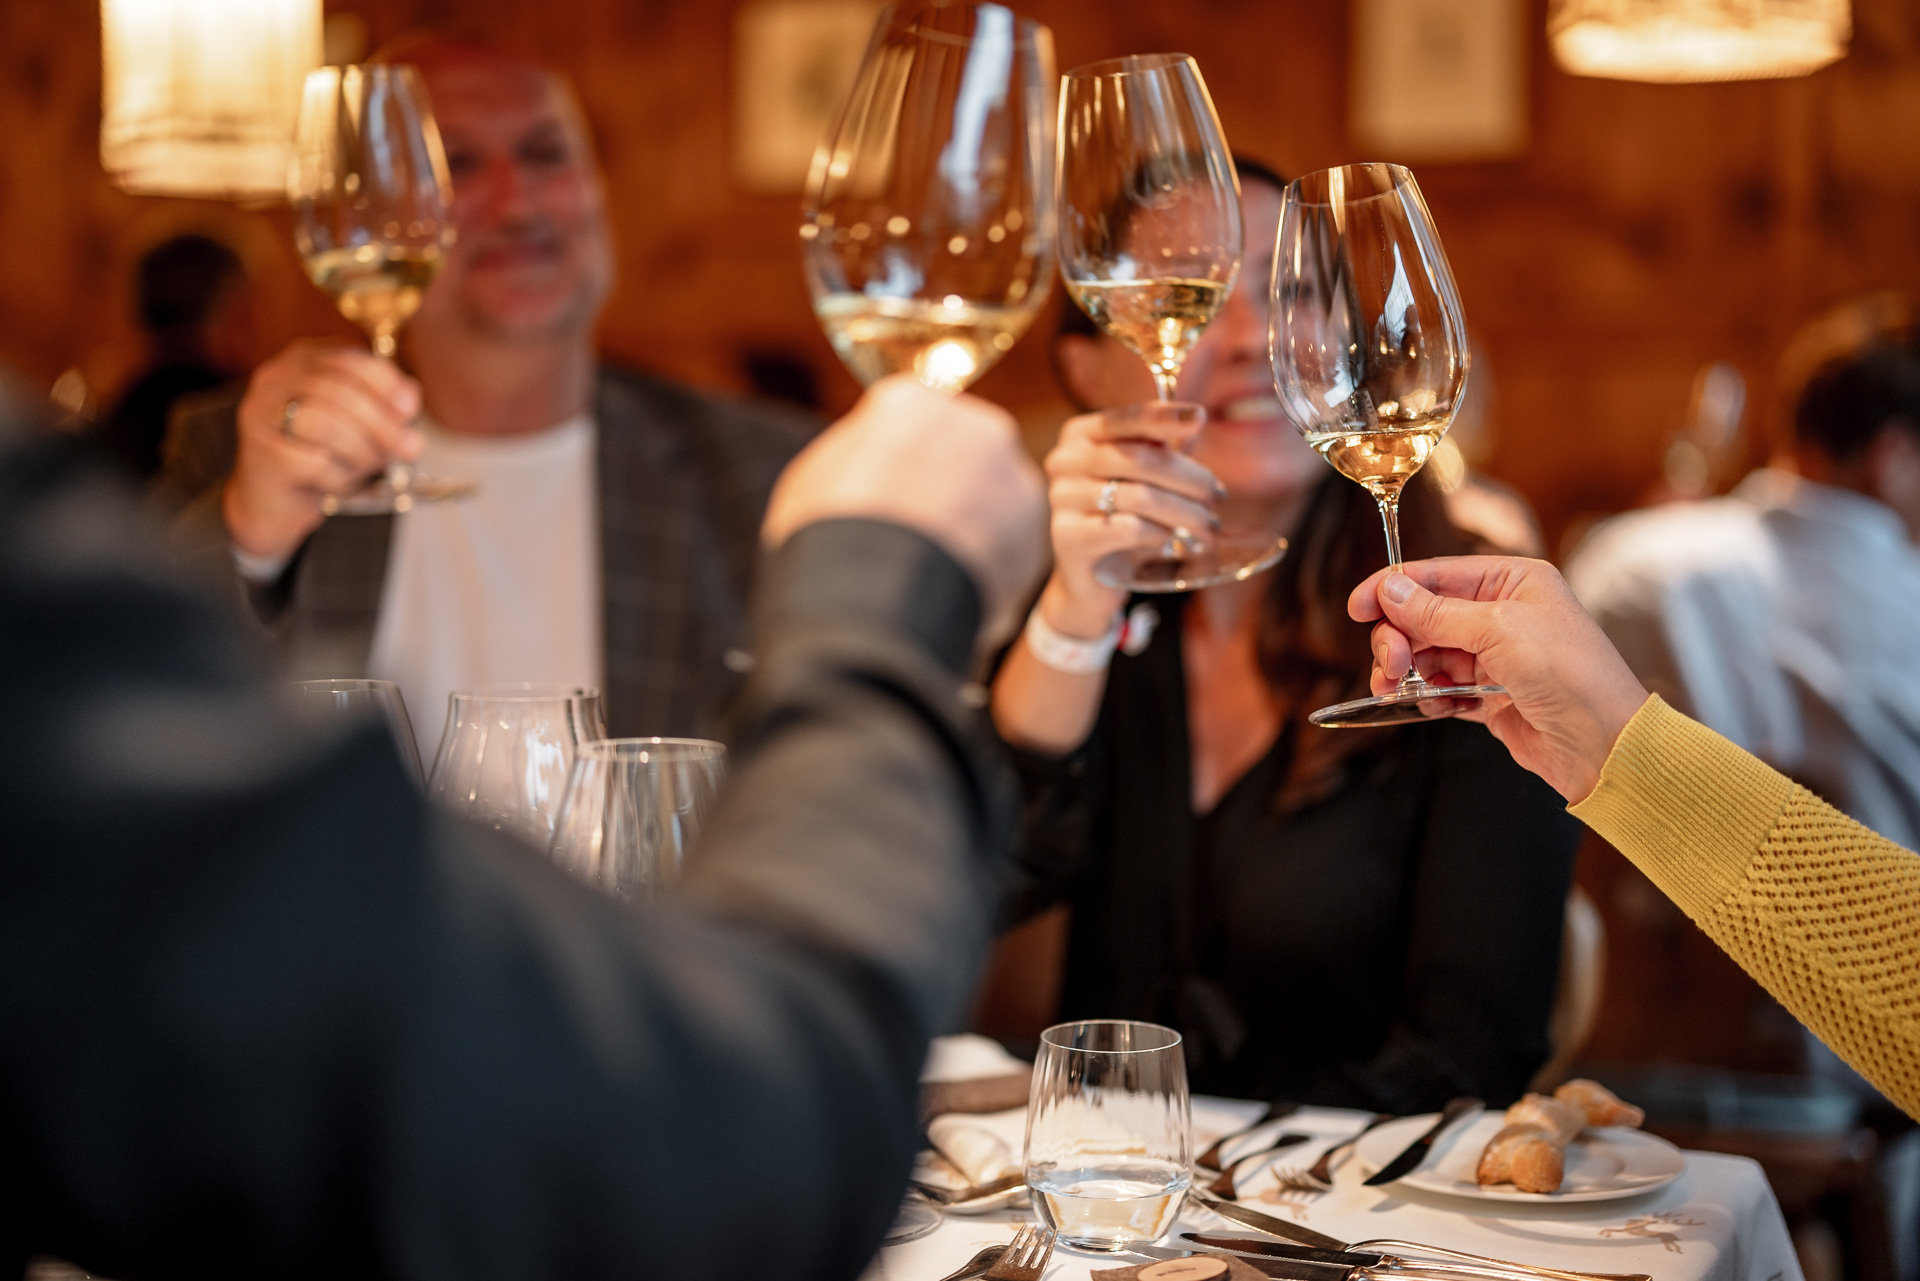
1366,919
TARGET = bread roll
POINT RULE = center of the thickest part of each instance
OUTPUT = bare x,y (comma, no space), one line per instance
1598,1104
1530,1157
1559,1119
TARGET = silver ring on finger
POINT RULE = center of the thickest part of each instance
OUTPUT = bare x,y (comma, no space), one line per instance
288,414
1109,500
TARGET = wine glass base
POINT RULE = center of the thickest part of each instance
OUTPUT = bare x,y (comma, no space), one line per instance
380,499
1422,703
1229,557
916,1219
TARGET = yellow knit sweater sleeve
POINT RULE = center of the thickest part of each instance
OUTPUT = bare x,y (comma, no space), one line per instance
1823,912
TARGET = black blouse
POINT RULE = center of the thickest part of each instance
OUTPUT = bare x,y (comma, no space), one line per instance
1389,945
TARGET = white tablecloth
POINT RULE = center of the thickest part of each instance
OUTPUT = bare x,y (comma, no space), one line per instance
1718,1222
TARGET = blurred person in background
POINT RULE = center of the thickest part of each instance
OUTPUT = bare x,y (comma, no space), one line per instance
194,303
612,540
1783,615
1367,918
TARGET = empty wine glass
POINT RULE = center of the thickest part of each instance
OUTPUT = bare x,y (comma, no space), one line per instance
1370,356
1109,1133
370,196
1150,242
928,227
366,699
633,809
507,751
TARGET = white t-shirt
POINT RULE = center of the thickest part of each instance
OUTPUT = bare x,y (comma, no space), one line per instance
500,587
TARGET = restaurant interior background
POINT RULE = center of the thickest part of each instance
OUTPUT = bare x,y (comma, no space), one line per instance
1613,241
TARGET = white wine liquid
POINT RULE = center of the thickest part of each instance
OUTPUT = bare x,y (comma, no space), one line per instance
946,345
1381,460
376,287
1108,1207
1156,320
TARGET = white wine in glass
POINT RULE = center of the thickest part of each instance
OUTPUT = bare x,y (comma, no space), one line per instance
928,228
1370,357
1150,243
371,198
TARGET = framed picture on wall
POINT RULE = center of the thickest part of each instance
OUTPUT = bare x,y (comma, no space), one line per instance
1439,80
794,61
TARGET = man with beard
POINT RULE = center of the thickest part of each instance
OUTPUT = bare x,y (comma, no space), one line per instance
612,538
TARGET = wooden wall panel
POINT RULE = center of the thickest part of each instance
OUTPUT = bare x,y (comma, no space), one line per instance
1647,231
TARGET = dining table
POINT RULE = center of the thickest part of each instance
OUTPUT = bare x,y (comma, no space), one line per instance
1718,1221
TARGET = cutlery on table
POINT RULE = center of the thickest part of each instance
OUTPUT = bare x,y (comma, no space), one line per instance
945,1196
1297,1263
1294,1232
1223,1186
1026,1257
1210,1159
1318,1177
1415,1152
978,1264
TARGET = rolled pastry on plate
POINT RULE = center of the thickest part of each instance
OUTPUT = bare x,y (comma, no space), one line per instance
1531,1157
1598,1104
1562,1120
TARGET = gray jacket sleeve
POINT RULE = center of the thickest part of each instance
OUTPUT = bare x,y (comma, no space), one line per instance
262,1012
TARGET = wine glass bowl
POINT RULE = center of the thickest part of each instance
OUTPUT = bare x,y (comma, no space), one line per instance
927,234
371,198
1370,357
634,807
507,753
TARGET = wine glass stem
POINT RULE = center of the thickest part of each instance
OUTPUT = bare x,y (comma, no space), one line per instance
399,474
1389,501
1164,379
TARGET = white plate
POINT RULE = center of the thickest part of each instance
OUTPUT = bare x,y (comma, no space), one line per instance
1602,1164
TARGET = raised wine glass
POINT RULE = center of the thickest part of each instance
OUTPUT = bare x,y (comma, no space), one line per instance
370,196
927,232
1150,242
1370,356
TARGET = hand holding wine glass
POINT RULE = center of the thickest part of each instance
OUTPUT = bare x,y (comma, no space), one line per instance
1370,356
370,194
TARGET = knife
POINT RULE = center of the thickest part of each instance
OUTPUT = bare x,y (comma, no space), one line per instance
1244,1246
1267,1223
1409,1160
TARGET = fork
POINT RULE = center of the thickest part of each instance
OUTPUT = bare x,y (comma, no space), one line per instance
1319,1176
978,1264
1026,1258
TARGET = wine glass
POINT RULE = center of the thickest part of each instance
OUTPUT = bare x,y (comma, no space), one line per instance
507,752
370,196
1150,242
1370,356
927,233
633,808
365,699
1109,1132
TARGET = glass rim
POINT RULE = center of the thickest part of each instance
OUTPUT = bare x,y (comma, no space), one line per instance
1048,1040
621,749
341,685
1027,32
524,692
1133,64
1402,176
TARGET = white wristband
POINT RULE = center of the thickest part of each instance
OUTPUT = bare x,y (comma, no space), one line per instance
1067,654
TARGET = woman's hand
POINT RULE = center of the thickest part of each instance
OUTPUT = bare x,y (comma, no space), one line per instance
1498,619
1117,484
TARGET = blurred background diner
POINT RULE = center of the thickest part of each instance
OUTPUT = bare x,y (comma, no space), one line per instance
1691,298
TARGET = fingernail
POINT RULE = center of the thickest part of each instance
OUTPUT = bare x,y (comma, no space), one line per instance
1219,490
1397,588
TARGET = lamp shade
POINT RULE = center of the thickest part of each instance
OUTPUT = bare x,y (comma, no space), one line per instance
201,95
1680,41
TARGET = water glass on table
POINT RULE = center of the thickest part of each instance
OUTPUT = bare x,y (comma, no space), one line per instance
507,751
633,809
1109,1132
367,699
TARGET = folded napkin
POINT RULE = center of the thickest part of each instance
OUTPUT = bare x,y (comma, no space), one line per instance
979,1155
971,1074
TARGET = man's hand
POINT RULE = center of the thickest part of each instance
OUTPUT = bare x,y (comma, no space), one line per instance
1512,622
951,467
350,420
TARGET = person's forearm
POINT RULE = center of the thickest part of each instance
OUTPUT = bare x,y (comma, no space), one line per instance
1043,709
1824,912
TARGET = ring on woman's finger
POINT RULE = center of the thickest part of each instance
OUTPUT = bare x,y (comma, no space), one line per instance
1109,500
288,413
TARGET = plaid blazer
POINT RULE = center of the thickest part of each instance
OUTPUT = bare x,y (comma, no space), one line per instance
683,482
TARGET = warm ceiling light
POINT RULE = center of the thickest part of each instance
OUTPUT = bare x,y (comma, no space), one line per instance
201,95
1679,41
